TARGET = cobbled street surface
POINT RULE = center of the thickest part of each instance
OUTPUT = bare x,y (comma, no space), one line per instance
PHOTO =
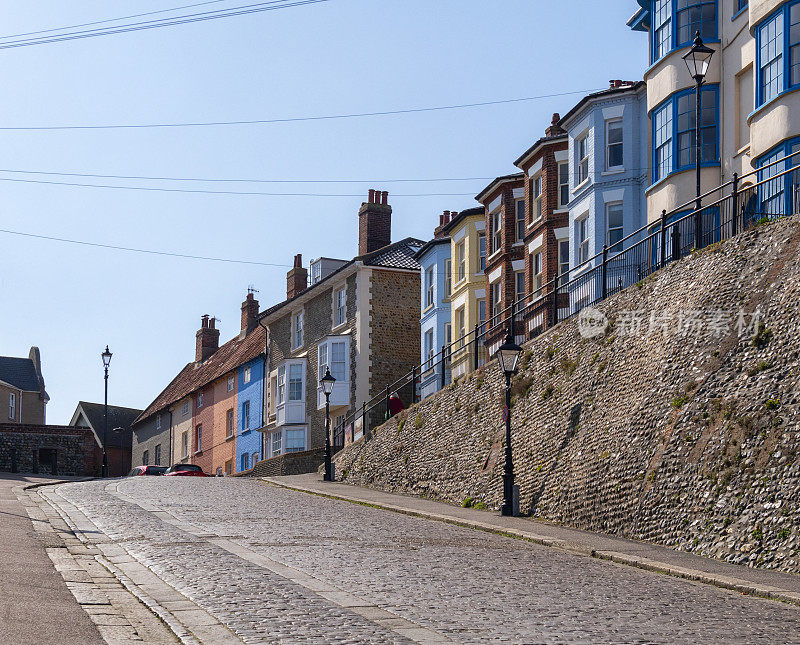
467,586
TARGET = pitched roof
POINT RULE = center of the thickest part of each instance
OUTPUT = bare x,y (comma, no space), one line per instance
19,372
457,219
496,183
539,142
118,417
436,241
191,378
624,89
399,255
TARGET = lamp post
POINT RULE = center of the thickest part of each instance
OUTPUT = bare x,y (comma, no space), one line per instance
697,60
106,356
327,382
508,357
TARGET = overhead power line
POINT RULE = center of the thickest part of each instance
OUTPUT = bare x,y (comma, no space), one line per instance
221,192
164,22
135,250
100,22
247,181
327,117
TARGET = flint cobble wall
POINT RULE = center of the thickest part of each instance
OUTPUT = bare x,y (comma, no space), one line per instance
77,452
684,439
292,463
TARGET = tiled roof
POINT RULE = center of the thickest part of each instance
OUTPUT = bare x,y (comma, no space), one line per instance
191,378
19,372
399,255
457,219
118,417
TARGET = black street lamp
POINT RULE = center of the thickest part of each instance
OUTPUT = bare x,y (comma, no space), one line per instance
508,357
327,382
106,356
697,61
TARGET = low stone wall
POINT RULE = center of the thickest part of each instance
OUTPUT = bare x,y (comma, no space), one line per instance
30,448
293,463
684,434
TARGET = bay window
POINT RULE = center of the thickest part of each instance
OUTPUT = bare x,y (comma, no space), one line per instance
582,158
295,440
614,228
673,132
448,277
496,301
563,259
536,195
781,195
614,145
519,286
295,382
563,184
482,251
428,349
778,53
536,268
281,384
583,239
675,23
461,258
277,443
429,287
520,219
496,221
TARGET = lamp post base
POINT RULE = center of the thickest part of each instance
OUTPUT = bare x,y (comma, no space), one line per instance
508,495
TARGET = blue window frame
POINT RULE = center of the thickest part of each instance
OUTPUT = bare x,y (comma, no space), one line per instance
738,7
778,53
675,23
781,196
245,461
673,132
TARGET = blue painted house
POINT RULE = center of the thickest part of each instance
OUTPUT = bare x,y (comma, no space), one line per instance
608,163
435,327
250,413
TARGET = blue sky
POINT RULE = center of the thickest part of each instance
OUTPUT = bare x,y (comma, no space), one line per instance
341,56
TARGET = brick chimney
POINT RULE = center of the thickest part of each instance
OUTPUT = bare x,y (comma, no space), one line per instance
444,220
554,130
207,339
249,313
374,222
297,278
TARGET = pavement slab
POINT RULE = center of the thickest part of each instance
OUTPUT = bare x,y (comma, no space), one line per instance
275,565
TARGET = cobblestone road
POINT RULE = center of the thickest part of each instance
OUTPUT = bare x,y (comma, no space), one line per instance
454,583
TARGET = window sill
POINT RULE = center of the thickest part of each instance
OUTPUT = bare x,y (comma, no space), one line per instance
772,101
230,437
519,243
561,211
198,452
341,324
243,432
582,185
744,150
428,308
613,171
739,13
707,164
495,254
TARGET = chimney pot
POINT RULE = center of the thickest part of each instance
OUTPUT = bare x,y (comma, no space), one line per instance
207,339
374,223
249,314
297,278
385,198
371,197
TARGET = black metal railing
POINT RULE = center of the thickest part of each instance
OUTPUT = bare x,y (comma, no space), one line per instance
631,260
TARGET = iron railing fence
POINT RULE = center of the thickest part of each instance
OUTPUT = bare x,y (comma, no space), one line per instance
629,261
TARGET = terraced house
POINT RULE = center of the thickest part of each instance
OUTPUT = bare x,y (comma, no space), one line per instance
750,100
209,415
360,319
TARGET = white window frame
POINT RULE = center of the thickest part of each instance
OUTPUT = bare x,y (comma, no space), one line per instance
615,124
291,379
609,207
285,447
497,299
158,422
519,219
278,434
339,306
448,278
430,280
461,258
482,252
12,405
461,321
496,220
185,444
281,398
582,158
245,416
248,374
536,195
198,438
563,183
298,330
563,265
199,400
231,383
519,281
583,238
230,423
428,349
185,409
536,270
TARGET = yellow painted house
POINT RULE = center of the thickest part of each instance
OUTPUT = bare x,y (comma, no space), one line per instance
466,287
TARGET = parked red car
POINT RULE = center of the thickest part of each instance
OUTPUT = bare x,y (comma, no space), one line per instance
147,470
185,470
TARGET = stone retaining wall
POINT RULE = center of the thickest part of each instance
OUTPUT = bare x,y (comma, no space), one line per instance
28,449
684,439
293,463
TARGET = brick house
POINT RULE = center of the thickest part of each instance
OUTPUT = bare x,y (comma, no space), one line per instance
22,394
359,318
546,168
505,220
118,437
196,418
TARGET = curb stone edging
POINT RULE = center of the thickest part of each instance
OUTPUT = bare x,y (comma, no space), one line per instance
693,575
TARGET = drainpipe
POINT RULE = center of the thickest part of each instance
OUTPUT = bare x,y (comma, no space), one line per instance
170,435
